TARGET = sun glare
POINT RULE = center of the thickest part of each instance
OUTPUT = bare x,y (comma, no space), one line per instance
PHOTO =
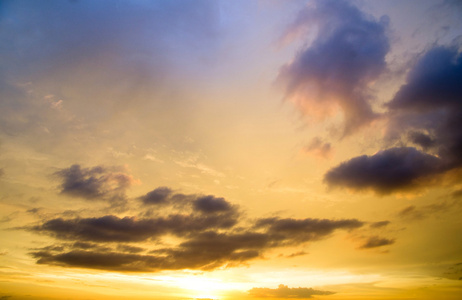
202,287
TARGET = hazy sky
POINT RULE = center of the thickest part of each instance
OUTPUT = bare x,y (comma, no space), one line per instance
230,149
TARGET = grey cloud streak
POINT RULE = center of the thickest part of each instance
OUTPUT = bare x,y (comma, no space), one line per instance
375,242
379,224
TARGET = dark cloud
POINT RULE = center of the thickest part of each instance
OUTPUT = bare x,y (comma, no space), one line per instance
427,112
216,207
294,231
130,229
84,245
100,260
376,241
206,251
211,204
303,230
386,171
433,83
283,291
157,196
379,224
336,69
208,240
97,183
203,226
431,101
421,139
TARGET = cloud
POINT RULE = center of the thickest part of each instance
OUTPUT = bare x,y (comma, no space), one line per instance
427,112
454,272
303,230
129,249
204,248
318,148
410,212
385,172
435,76
100,260
457,194
283,291
211,204
157,196
207,235
337,68
418,213
215,207
130,229
173,231
379,224
376,241
205,251
421,139
97,183
295,254
429,105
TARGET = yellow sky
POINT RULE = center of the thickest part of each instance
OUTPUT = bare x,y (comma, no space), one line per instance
230,150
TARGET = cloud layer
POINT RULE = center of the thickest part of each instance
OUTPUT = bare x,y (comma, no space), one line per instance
207,242
173,230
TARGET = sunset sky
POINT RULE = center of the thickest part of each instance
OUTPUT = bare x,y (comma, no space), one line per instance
241,149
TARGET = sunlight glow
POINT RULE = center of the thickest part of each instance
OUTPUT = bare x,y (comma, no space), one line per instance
202,287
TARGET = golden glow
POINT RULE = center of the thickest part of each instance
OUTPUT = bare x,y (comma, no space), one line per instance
185,96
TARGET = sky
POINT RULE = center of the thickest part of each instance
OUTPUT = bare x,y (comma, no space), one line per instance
258,149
